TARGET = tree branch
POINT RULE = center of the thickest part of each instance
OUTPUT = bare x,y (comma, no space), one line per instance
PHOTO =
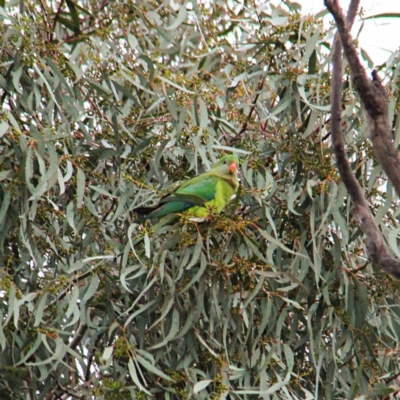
376,106
373,98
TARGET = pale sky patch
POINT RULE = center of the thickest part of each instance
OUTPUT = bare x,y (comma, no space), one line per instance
379,37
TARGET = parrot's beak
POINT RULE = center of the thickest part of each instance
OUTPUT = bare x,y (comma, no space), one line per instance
232,167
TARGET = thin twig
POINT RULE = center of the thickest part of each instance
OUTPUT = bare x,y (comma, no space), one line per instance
56,18
254,104
79,334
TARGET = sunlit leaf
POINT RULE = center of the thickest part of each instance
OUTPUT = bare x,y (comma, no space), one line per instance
201,385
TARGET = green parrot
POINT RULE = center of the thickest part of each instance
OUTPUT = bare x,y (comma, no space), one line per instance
214,188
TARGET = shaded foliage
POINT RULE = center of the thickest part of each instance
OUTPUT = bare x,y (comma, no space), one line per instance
104,107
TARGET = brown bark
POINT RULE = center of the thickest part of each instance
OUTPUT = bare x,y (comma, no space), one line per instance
374,100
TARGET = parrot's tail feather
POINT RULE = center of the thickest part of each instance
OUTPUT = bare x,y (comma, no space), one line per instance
144,210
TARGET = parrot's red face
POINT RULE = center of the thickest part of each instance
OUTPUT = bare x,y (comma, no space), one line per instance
232,167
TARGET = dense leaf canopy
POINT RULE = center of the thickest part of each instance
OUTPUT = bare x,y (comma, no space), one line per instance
105,106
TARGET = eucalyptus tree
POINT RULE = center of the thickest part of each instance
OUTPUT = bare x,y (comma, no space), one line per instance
105,106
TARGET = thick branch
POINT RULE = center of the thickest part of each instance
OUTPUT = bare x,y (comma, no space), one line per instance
375,244
346,174
374,100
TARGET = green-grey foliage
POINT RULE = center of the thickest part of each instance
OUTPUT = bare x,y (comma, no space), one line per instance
107,104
